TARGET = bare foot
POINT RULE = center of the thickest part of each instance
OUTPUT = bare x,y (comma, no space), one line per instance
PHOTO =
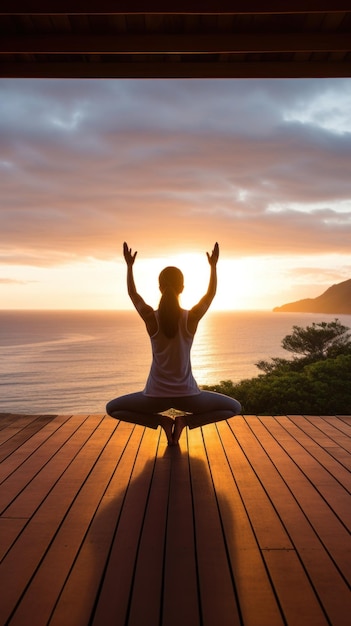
166,423
179,424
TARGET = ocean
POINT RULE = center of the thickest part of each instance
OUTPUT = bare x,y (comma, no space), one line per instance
75,361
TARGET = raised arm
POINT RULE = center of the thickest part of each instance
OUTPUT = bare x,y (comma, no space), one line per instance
143,309
199,310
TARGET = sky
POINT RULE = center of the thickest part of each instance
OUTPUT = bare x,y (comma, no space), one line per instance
172,166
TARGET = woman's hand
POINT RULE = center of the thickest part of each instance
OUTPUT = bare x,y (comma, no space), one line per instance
129,257
213,257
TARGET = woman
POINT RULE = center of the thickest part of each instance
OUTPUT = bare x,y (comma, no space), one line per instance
171,383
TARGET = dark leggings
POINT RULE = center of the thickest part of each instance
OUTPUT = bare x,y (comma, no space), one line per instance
203,408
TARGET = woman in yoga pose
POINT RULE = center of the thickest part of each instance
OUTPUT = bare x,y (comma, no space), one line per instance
171,384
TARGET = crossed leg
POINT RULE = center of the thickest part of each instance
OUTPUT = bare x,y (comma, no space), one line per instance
200,409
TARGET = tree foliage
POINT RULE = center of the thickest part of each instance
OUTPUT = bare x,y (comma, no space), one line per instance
319,341
317,383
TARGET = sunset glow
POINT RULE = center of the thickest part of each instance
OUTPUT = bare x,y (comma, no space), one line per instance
261,166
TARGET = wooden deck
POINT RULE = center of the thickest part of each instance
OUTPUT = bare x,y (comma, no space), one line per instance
246,522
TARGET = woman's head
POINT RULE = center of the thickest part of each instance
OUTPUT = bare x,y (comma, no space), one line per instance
171,283
172,278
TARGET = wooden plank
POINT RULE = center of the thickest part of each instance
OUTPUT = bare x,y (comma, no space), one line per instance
269,530
344,418
28,486
125,530
328,452
295,594
180,564
145,603
330,489
316,436
184,7
288,494
41,595
77,600
18,480
21,436
13,462
113,602
296,598
332,429
175,69
13,422
217,593
229,468
23,559
340,424
174,43
10,528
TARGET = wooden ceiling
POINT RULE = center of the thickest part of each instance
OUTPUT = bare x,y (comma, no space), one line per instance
188,39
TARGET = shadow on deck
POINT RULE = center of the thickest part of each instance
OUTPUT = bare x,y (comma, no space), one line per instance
245,523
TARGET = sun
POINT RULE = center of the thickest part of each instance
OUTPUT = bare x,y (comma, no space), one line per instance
235,281
233,289
239,281
194,267
196,271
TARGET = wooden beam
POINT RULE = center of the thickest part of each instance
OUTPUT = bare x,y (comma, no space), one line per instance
175,43
184,7
176,70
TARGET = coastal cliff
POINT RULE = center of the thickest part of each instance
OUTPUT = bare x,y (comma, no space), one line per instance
336,299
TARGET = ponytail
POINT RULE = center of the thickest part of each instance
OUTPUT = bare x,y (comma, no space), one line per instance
171,285
169,312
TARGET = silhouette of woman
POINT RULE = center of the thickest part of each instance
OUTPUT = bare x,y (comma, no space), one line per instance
171,384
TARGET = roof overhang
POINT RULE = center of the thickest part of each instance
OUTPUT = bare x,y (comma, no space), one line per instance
188,39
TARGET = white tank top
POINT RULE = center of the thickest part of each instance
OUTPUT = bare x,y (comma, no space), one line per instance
170,374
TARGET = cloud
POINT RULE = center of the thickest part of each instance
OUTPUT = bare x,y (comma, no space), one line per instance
325,276
87,164
14,281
